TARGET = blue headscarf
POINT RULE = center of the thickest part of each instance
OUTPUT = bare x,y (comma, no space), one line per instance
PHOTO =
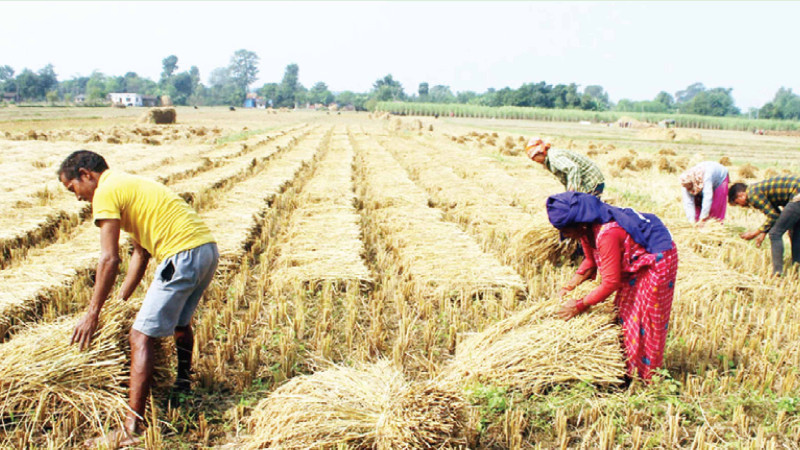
572,208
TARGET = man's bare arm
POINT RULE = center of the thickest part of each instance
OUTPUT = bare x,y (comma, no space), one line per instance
107,269
136,268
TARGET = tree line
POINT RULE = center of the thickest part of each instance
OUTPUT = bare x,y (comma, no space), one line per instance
230,84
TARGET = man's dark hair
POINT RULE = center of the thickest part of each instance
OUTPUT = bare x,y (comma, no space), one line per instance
81,159
734,191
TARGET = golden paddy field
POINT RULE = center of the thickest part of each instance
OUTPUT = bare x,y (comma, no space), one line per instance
389,282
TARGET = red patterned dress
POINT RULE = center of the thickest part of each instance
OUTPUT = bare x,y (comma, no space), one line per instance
645,284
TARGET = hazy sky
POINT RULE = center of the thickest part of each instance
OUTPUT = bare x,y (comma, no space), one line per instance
632,49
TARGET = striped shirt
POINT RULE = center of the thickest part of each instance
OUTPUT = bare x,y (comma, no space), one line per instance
576,172
772,194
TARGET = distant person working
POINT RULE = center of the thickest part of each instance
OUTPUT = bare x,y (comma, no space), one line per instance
576,172
705,192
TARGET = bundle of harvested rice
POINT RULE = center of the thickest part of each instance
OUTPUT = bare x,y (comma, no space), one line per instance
748,171
44,380
370,407
625,162
534,349
667,152
159,116
539,244
665,165
644,163
725,161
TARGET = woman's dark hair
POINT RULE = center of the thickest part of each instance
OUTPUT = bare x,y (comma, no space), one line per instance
734,191
81,159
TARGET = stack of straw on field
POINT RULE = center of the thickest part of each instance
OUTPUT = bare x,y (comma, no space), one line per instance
323,237
47,382
534,349
435,255
166,115
370,407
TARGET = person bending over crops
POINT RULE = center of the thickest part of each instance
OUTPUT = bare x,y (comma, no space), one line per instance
160,224
636,258
779,199
576,172
705,191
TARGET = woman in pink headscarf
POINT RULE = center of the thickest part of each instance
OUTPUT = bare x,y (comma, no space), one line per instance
705,191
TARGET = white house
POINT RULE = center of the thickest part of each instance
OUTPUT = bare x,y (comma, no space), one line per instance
126,99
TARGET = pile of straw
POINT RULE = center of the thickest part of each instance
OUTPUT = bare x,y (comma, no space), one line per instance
370,407
159,116
46,381
541,243
535,349
748,171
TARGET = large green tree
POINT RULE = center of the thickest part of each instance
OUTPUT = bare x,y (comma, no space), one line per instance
319,93
785,105
387,88
243,69
290,88
712,102
169,66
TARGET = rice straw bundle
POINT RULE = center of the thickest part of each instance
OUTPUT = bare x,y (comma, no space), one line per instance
45,380
534,349
370,407
748,171
541,243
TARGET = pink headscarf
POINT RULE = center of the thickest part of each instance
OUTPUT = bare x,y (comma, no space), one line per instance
692,180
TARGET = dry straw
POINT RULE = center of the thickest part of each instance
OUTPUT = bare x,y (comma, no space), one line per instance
323,241
439,257
159,116
534,349
46,382
374,406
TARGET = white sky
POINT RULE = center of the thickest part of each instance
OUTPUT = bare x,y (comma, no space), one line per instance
632,49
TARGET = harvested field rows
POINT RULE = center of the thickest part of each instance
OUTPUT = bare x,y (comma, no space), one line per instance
385,244
435,255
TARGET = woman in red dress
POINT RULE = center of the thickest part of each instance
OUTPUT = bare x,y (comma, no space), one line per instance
636,258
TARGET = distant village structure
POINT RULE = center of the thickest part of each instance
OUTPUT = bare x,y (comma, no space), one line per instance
131,99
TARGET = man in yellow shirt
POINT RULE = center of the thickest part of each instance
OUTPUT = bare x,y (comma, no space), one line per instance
160,224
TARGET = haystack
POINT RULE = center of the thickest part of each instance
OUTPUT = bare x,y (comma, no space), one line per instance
534,349
44,380
159,116
748,171
725,161
665,165
370,407
644,163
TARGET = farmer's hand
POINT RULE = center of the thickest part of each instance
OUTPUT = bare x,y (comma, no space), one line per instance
760,239
748,235
568,310
84,331
566,288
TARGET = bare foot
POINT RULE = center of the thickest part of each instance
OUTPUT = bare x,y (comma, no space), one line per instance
118,438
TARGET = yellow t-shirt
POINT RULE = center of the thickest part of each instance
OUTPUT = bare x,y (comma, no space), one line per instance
157,218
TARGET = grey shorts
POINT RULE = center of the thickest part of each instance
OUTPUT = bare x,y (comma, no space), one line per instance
173,295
